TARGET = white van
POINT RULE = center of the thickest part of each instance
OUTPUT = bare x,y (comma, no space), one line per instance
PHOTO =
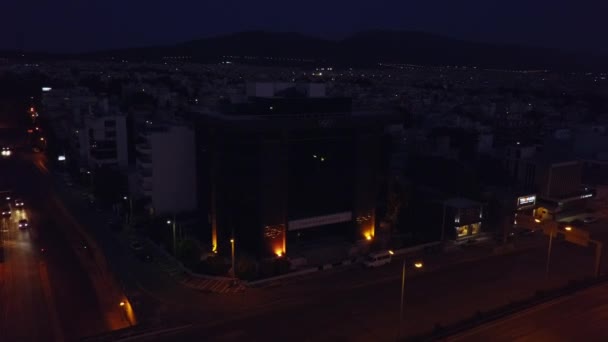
378,259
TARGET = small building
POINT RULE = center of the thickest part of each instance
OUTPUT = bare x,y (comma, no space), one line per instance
462,218
561,192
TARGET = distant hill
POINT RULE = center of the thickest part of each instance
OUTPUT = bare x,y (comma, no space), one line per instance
367,48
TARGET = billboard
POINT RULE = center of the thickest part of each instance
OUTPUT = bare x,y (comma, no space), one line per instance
320,220
528,200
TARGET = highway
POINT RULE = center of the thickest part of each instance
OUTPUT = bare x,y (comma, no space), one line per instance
581,317
46,295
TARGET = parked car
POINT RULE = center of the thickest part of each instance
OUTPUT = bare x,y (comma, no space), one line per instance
136,246
590,219
378,259
23,224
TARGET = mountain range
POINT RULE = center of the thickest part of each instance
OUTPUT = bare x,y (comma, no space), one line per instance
366,49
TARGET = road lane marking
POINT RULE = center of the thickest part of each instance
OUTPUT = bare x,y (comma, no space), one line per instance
51,305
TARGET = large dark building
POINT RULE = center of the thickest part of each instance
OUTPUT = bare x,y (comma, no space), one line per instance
288,165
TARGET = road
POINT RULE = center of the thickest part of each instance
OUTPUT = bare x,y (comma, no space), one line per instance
45,295
581,316
360,304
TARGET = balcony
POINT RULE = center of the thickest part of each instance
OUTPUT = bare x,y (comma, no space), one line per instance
144,161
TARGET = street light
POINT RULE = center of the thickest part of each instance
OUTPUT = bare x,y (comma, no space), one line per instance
233,270
130,213
172,224
568,228
417,264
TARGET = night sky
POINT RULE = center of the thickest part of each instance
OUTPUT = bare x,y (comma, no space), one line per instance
80,25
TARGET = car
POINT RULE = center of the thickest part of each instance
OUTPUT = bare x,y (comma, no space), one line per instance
23,224
6,212
136,246
378,259
143,255
590,219
19,203
6,196
6,152
526,231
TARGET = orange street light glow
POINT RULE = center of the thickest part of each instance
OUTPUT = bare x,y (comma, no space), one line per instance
537,220
391,252
418,264
121,303
568,228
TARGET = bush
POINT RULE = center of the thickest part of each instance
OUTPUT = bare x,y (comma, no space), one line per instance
282,266
246,268
189,252
213,265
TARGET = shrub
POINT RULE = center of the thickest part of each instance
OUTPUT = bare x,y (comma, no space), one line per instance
189,252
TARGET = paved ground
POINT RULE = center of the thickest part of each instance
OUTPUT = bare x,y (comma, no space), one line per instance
581,317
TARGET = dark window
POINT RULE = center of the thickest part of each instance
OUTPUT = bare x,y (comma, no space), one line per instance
110,134
109,123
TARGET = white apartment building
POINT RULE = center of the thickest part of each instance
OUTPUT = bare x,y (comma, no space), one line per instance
166,168
102,137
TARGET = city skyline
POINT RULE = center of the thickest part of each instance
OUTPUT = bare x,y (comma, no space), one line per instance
74,27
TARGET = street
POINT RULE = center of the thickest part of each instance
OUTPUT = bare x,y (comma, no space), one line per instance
363,305
581,316
45,290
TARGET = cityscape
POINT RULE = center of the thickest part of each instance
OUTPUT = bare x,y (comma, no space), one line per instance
394,184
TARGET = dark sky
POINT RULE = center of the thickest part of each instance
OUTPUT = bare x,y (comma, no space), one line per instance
78,25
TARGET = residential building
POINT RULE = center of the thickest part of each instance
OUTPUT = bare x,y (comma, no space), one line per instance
166,168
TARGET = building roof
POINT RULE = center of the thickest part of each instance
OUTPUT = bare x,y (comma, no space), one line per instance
461,203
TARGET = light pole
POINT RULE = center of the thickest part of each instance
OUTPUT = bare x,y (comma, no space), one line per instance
130,213
172,223
549,253
552,231
233,270
417,264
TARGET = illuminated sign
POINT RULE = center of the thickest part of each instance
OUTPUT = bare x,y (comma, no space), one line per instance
320,220
526,200
45,89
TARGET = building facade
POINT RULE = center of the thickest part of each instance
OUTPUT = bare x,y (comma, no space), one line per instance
288,169
166,168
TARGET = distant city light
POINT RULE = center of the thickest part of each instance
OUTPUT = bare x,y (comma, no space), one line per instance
61,158
45,89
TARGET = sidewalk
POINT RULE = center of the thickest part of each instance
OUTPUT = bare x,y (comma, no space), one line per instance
433,262
199,282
